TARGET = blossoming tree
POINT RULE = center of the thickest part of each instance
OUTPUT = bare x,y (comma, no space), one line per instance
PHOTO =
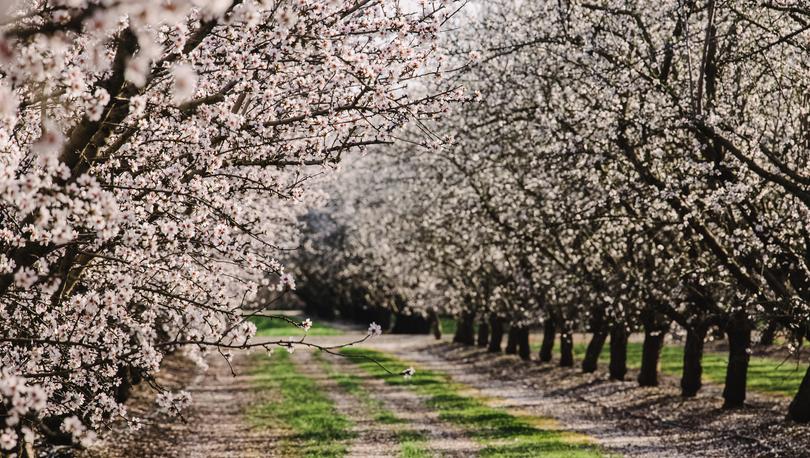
629,166
155,156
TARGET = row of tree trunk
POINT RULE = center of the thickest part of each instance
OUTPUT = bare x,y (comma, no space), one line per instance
738,330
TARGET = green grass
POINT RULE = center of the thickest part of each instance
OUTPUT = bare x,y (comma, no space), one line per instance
767,375
297,405
448,325
501,433
411,443
272,327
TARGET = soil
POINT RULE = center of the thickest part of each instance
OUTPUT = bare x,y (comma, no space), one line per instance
375,439
620,416
213,426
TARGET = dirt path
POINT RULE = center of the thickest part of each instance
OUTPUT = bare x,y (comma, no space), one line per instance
370,438
626,419
215,423
441,438
620,416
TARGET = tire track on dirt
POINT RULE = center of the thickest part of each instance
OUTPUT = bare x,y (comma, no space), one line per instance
441,438
370,438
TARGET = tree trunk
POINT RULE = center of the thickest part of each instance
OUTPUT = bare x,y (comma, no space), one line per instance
739,342
523,343
650,355
799,410
496,324
383,317
618,352
316,308
483,333
435,324
465,329
566,348
691,381
591,361
436,330
549,334
511,340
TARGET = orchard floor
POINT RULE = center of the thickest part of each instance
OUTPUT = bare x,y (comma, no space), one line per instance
368,416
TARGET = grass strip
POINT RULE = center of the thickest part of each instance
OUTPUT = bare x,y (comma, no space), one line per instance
296,404
271,327
500,433
411,443
765,374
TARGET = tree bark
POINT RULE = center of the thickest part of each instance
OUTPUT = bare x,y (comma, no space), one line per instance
465,329
549,334
739,343
799,409
566,348
496,325
650,355
435,324
483,334
511,340
618,352
28,451
591,361
524,351
691,378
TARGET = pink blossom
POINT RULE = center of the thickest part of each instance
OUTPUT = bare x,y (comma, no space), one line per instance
185,83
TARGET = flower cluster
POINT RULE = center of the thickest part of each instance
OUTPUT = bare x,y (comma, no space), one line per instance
374,330
19,402
173,403
78,431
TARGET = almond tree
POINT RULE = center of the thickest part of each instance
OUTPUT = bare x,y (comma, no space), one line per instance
629,166
155,157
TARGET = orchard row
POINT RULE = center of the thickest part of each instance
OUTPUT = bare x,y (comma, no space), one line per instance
619,167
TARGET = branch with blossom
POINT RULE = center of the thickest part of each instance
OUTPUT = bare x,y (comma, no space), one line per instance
155,159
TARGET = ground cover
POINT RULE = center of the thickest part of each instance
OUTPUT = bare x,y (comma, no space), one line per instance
501,434
294,404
